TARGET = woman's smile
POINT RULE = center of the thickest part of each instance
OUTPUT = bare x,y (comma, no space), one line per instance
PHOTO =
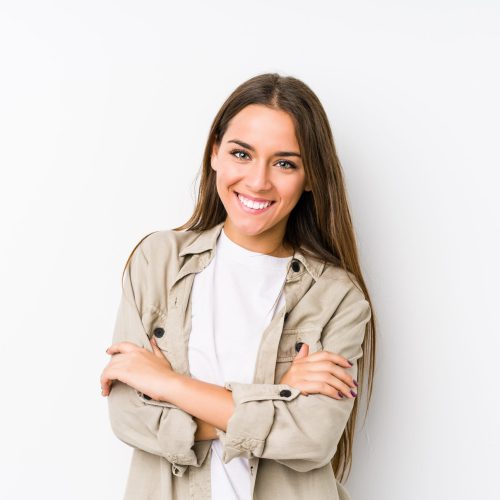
253,207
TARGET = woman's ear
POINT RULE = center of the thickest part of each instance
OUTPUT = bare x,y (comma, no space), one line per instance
213,158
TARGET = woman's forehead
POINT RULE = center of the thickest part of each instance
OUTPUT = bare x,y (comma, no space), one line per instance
262,127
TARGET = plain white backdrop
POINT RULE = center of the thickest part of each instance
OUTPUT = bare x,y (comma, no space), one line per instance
105,107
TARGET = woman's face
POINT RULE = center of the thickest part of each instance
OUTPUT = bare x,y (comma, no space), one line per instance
258,161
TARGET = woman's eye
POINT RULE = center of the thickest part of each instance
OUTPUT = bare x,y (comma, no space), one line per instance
290,165
238,151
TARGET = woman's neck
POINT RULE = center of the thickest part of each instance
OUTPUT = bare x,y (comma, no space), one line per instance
274,247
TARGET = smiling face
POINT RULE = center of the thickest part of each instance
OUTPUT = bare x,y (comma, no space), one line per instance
257,162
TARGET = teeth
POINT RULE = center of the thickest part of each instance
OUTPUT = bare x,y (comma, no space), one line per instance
252,204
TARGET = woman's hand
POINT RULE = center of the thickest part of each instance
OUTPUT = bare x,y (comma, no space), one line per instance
149,373
321,372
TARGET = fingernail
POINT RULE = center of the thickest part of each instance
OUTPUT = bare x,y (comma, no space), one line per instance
353,393
340,395
355,383
352,364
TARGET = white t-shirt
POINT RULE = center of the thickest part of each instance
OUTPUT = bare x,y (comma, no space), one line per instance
233,300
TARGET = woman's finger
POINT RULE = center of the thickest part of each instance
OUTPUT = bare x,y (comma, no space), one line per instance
303,352
112,372
331,368
156,349
105,383
330,356
122,347
106,388
332,381
317,387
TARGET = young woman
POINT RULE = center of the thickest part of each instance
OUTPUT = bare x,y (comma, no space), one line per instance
240,335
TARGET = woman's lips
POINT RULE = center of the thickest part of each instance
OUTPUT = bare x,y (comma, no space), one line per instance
252,211
258,200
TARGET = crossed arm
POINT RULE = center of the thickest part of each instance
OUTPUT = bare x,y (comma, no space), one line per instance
250,419
210,405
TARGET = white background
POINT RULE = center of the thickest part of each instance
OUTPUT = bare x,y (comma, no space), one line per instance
105,108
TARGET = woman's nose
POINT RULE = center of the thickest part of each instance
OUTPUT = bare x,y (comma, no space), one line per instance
257,178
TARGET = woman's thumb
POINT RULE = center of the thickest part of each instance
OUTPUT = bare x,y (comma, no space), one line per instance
156,349
304,351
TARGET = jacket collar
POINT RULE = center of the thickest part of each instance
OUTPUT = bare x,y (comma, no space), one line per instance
206,240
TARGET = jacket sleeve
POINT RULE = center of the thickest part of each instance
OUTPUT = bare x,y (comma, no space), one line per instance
276,421
157,427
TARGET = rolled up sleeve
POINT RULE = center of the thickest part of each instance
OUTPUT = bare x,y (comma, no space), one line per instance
157,427
276,421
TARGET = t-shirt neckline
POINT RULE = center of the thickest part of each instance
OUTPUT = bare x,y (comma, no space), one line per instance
249,257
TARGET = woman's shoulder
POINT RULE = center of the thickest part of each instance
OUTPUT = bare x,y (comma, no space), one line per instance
341,279
170,243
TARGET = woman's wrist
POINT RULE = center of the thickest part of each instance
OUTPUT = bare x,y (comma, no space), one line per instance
172,387
209,402
175,385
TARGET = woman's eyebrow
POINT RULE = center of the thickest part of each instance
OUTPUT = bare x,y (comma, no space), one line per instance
251,148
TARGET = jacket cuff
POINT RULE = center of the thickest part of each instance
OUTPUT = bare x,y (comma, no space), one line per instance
252,418
180,448
177,446
201,449
150,401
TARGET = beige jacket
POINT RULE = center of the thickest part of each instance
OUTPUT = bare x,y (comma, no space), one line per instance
288,438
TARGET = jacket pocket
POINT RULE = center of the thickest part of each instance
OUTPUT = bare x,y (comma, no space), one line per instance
290,345
290,340
155,324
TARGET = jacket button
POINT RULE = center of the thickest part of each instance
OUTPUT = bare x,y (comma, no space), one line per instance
285,393
158,332
295,265
298,345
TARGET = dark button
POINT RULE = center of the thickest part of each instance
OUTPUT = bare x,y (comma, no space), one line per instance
285,393
298,345
159,331
286,315
146,396
295,265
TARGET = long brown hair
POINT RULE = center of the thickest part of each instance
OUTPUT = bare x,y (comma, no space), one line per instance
320,223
